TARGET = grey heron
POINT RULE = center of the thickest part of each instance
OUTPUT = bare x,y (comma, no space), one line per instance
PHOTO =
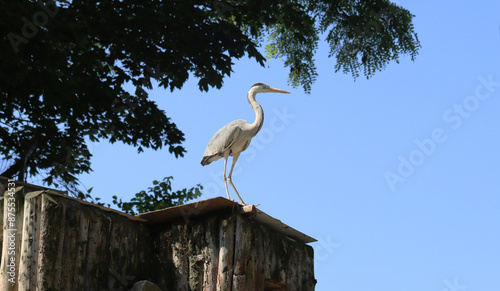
234,137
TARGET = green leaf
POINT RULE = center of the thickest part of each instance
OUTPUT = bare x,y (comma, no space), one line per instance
158,197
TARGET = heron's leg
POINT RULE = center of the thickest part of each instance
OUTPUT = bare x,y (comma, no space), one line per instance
225,179
235,158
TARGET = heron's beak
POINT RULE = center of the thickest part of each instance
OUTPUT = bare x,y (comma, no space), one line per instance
278,90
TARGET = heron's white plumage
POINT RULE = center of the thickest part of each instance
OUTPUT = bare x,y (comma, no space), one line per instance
234,137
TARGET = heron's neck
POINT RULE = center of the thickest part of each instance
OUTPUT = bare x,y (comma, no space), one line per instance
259,113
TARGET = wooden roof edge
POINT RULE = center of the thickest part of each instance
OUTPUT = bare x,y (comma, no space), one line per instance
283,228
33,186
188,210
63,195
185,211
202,207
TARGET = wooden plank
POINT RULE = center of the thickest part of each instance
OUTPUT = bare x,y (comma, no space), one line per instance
69,247
196,256
50,243
97,228
29,244
305,272
121,251
290,265
274,264
259,254
211,252
246,264
225,268
161,258
13,214
2,199
180,259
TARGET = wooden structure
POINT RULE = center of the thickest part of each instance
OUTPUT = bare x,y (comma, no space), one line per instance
54,242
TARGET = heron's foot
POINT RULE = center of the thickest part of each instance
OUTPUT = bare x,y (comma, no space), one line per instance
241,202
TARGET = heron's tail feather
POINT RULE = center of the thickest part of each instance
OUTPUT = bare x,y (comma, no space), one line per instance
208,159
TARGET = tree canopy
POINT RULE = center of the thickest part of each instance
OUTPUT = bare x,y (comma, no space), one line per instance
65,65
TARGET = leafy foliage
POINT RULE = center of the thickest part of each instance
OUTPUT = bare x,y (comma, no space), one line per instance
160,196
362,35
66,64
368,34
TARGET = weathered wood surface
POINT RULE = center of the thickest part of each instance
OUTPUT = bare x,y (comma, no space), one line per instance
11,234
65,244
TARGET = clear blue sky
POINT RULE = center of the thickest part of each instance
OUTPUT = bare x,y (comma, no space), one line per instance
397,177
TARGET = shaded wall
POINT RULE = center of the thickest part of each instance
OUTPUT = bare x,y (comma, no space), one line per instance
55,242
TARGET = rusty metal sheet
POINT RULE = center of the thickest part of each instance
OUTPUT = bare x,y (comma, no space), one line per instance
203,207
189,210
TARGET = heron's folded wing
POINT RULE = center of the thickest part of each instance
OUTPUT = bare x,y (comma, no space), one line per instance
223,139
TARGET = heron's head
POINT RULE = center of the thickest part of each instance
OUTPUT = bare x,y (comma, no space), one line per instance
264,88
